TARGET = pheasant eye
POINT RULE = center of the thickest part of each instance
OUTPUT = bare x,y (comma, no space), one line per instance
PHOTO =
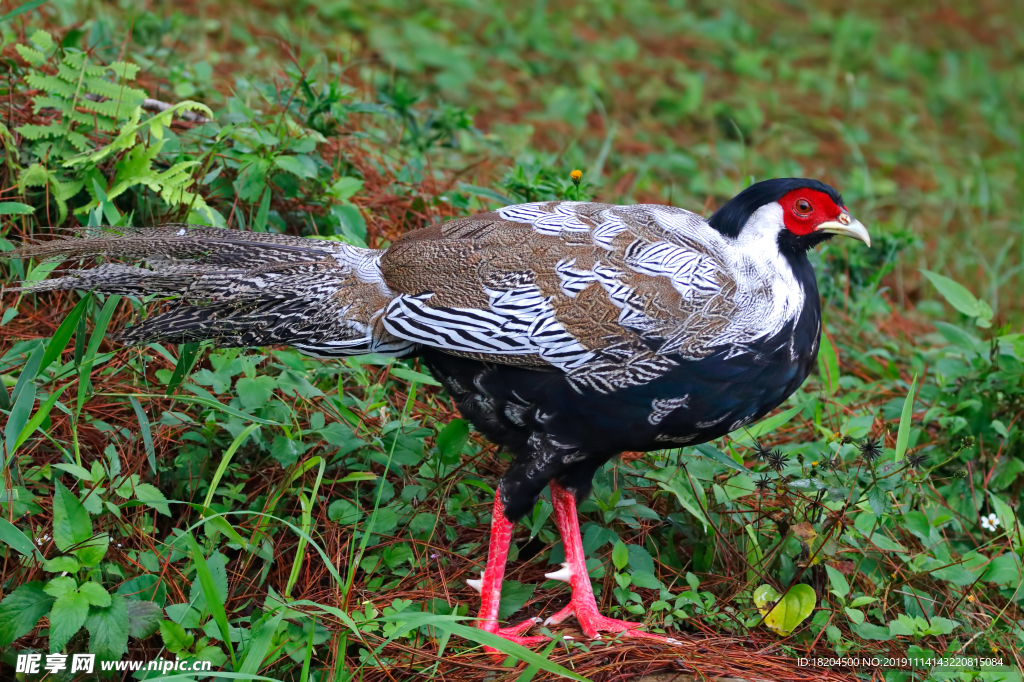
803,206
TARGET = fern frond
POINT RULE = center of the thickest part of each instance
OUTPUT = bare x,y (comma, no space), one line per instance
34,132
33,57
50,84
125,70
116,91
43,40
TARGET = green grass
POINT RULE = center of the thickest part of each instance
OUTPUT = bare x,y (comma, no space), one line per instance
300,520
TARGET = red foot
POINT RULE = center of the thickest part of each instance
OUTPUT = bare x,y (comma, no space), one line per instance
513,634
574,572
593,623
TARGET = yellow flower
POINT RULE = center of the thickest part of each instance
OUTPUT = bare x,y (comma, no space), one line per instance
970,598
576,176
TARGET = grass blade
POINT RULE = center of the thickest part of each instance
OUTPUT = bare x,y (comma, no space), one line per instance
62,336
225,461
213,599
260,644
187,354
37,418
28,372
18,419
94,345
147,434
903,435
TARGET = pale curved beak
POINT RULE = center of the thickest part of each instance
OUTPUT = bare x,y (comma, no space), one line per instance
846,226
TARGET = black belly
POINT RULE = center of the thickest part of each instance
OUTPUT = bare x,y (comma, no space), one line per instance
556,432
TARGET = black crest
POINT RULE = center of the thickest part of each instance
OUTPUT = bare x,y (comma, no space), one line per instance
731,218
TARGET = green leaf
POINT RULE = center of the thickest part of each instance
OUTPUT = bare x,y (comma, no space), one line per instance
67,617
59,341
108,628
15,208
302,165
620,555
174,636
81,473
957,295
143,618
13,537
856,615
903,435
21,610
60,586
187,354
214,596
95,593
151,496
828,363
21,9
513,596
747,435
71,524
452,438
789,610
645,579
414,376
1004,570
839,583
147,434
941,626
62,564
871,631
344,512
711,452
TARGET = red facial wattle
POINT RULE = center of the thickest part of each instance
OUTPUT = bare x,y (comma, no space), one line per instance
804,209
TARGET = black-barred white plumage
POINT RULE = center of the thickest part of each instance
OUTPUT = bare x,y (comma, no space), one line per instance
566,331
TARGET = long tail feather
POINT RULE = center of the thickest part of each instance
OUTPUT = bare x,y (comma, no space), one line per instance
235,288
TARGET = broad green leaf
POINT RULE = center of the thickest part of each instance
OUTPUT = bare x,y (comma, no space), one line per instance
62,564
71,524
513,596
175,637
452,438
711,452
21,610
151,496
81,473
95,593
956,294
108,628
13,537
15,207
839,583
871,631
645,579
143,618
60,586
620,555
67,617
747,435
906,419
789,610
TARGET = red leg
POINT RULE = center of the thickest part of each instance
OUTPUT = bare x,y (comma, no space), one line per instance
574,572
489,584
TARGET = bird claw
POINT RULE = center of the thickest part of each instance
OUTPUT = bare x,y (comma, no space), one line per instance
514,634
